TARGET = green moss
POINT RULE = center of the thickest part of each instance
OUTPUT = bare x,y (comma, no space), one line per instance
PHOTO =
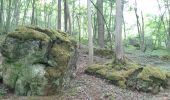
103,52
150,71
168,74
53,72
93,68
114,75
61,54
11,74
122,84
24,33
102,72
165,57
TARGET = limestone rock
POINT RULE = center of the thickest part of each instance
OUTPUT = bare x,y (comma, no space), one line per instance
38,61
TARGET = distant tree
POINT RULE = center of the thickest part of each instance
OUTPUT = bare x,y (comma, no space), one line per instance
1,16
8,19
140,27
33,13
65,15
59,14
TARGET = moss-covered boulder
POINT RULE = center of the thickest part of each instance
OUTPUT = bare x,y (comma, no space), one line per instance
133,76
38,61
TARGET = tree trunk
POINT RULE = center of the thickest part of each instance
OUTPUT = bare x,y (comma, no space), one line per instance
8,19
33,13
100,23
65,15
59,14
119,55
1,17
25,11
140,27
16,13
90,32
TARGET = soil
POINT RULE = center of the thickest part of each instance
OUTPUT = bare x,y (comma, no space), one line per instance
86,87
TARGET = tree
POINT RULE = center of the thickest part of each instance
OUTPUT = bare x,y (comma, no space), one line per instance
1,17
90,32
65,15
140,27
8,19
59,14
100,23
119,55
33,13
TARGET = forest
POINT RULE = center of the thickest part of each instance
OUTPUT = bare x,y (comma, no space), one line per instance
84,50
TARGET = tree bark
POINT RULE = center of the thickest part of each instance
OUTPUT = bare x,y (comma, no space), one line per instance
1,17
119,55
65,15
90,32
100,23
33,13
59,15
8,19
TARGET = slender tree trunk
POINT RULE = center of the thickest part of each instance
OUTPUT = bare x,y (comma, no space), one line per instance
140,27
100,23
90,32
78,21
16,15
69,19
33,13
45,14
65,15
25,11
119,55
110,20
1,17
59,14
8,20
142,35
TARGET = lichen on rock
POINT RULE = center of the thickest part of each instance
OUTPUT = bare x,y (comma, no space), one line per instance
37,61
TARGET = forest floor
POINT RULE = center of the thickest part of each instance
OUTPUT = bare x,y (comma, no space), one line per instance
86,87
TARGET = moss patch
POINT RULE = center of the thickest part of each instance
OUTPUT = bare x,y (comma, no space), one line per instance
24,33
131,75
150,71
165,57
103,52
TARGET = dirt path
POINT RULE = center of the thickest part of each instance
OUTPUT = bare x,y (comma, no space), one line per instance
86,87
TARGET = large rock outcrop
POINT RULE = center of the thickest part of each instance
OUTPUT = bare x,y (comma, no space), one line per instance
37,61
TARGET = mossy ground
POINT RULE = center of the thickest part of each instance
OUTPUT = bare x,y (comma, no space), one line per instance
121,76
